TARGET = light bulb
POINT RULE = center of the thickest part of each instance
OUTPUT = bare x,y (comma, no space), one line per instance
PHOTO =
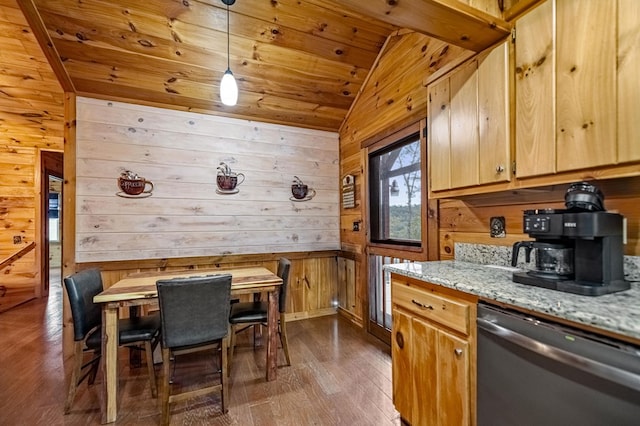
228,89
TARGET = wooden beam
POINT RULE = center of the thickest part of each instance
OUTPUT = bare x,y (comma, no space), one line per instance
519,9
448,20
40,32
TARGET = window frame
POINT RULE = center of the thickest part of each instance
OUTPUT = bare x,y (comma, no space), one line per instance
400,248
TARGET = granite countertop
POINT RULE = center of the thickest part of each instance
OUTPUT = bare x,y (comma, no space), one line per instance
616,312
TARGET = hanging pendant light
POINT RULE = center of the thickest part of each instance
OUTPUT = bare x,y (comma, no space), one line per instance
394,189
228,85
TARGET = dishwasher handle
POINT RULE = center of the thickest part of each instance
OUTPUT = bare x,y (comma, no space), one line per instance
607,372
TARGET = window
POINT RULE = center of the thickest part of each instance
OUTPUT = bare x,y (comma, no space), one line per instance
54,216
395,181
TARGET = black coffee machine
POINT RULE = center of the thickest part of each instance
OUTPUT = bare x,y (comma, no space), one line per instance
578,249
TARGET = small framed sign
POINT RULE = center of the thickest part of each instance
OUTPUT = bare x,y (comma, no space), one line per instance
348,192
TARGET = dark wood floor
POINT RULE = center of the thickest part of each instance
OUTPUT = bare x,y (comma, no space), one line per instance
338,376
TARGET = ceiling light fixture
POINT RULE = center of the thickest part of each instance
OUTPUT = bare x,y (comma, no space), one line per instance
228,85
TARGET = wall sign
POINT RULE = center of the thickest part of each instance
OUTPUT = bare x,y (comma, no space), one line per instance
348,192
133,186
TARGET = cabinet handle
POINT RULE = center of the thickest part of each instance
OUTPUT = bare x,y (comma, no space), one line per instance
415,302
499,168
400,340
458,351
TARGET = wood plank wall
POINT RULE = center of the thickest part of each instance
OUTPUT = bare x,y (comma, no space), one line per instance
394,96
18,197
467,220
382,108
185,217
31,120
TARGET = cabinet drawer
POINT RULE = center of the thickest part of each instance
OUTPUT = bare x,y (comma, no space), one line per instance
448,312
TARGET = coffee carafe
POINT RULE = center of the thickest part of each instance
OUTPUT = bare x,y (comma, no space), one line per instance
553,260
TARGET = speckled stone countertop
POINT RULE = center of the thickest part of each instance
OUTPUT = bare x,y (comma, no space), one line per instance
616,312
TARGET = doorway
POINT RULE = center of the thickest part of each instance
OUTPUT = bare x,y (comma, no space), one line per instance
51,168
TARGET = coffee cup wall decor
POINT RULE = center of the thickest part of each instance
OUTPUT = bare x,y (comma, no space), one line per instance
133,186
227,180
301,191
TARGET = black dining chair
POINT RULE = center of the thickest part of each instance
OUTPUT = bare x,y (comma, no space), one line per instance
195,317
87,331
245,315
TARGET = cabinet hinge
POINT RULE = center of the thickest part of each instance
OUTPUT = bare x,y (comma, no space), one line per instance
424,132
513,168
513,35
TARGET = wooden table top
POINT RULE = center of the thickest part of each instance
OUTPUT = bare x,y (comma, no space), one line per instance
143,285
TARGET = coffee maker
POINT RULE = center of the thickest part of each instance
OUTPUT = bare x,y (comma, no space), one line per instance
578,250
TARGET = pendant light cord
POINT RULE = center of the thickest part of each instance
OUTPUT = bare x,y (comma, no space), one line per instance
228,60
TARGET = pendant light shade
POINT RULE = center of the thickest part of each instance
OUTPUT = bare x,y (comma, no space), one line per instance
228,89
228,85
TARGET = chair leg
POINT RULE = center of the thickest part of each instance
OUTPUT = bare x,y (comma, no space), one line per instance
148,348
93,373
224,367
283,338
75,376
166,374
232,348
255,336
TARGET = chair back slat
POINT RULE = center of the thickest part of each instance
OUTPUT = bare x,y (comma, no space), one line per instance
194,310
81,288
284,267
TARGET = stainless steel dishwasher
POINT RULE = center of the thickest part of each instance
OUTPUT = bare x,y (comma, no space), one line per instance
535,372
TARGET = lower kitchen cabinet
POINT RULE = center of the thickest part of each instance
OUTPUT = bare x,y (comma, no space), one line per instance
433,354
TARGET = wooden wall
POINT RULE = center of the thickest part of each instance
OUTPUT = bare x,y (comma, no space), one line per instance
185,216
393,97
18,198
31,120
467,220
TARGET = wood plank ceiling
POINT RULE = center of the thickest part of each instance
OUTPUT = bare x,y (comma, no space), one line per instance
31,99
297,62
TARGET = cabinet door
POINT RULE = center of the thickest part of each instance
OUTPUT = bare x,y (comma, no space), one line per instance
493,115
628,87
425,374
401,364
535,93
586,85
464,126
453,380
439,136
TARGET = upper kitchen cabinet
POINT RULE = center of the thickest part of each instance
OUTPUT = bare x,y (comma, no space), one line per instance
628,86
469,133
567,76
535,112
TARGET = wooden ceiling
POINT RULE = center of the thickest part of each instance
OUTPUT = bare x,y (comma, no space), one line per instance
31,98
296,62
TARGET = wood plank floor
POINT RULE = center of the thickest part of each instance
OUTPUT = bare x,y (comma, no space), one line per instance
338,376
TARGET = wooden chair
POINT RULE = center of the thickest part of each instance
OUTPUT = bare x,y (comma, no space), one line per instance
245,315
195,317
87,331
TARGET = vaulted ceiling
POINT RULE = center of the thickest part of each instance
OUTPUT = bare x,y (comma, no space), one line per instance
296,62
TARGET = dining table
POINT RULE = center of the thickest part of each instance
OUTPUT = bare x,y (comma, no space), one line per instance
139,289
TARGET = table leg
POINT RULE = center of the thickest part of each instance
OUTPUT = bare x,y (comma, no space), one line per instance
109,364
272,341
257,331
